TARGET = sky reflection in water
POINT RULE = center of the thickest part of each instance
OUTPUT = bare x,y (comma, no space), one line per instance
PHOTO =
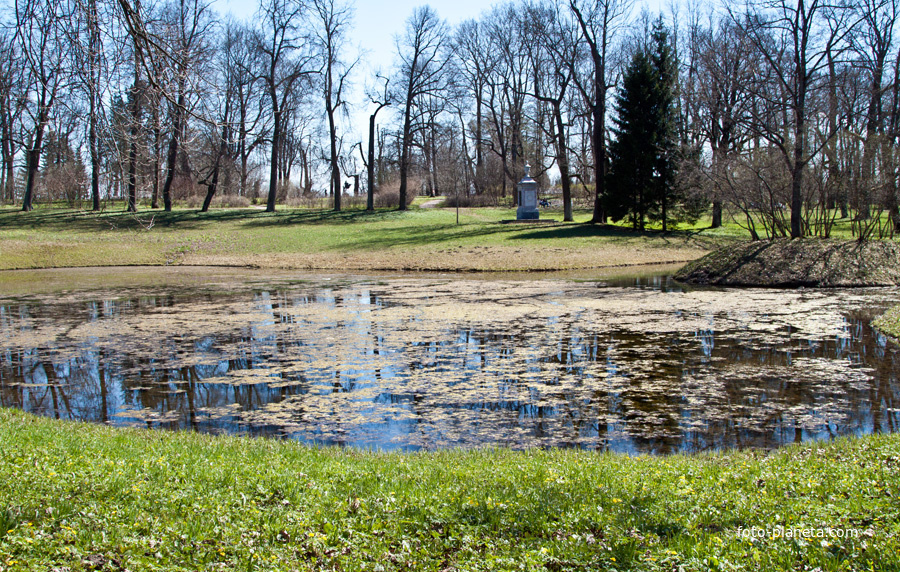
635,365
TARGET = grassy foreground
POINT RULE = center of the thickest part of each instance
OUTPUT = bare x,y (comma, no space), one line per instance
84,497
419,239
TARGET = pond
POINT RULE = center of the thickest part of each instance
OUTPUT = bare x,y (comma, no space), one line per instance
635,364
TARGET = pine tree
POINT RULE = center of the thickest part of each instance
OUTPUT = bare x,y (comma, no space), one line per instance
631,153
643,156
666,123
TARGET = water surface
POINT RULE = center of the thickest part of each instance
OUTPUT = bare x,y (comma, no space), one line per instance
637,365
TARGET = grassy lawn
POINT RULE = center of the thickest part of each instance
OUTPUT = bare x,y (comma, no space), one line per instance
77,497
87,497
420,239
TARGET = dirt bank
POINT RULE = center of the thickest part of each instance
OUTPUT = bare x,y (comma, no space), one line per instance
801,262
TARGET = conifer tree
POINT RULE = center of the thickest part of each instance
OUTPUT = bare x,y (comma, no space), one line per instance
643,155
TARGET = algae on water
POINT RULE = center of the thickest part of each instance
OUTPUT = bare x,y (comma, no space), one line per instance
426,362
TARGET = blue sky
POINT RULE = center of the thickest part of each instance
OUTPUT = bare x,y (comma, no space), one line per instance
376,24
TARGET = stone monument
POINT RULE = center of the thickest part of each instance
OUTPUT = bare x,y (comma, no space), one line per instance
528,206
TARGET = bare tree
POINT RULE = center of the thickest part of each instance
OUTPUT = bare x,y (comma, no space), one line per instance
380,101
475,61
872,42
332,23
794,39
13,100
248,103
552,61
724,64
282,44
507,88
44,48
423,61
84,34
190,25
599,21
222,138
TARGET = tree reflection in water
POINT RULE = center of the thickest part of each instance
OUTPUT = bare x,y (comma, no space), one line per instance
639,366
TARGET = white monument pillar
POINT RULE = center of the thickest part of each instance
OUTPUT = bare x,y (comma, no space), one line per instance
528,188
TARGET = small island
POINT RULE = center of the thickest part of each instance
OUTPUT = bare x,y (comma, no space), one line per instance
808,262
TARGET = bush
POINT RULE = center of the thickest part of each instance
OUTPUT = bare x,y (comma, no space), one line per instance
465,201
218,202
391,198
319,202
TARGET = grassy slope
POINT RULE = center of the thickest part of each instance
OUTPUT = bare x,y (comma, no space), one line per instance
90,497
426,239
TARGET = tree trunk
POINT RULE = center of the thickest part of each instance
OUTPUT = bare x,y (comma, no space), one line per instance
273,169
562,160
157,151
8,151
93,140
370,195
214,183
717,214
172,155
134,133
335,168
404,154
34,155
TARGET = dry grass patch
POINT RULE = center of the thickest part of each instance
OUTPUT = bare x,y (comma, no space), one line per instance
458,258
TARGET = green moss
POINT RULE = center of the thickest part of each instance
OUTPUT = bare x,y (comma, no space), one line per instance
88,497
889,322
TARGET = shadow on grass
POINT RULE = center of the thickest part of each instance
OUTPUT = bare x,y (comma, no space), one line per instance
588,230
86,221
418,232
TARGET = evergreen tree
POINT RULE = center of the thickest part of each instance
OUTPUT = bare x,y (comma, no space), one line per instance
665,191
643,156
631,153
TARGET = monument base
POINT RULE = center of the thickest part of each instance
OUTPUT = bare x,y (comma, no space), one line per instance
527,213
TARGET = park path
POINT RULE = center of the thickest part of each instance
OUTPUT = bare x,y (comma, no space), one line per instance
434,203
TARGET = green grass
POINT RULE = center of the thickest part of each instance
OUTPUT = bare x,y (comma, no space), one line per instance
889,322
418,239
299,238
87,497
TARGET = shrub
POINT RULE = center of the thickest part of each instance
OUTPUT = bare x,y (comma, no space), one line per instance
218,202
465,201
391,198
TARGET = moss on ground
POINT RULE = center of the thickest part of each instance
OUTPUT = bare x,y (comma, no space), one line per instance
889,323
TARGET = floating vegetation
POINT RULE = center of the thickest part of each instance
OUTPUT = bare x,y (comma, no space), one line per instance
430,362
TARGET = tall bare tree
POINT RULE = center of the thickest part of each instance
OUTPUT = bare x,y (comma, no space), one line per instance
13,100
45,50
475,61
794,38
282,42
190,24
380,101
331,29
553,62
599,21
421,72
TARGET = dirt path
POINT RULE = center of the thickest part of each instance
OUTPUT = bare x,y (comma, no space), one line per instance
432,204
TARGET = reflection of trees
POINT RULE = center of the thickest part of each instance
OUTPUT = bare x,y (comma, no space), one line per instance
550,382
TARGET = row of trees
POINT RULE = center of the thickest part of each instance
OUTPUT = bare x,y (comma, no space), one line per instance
784,115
